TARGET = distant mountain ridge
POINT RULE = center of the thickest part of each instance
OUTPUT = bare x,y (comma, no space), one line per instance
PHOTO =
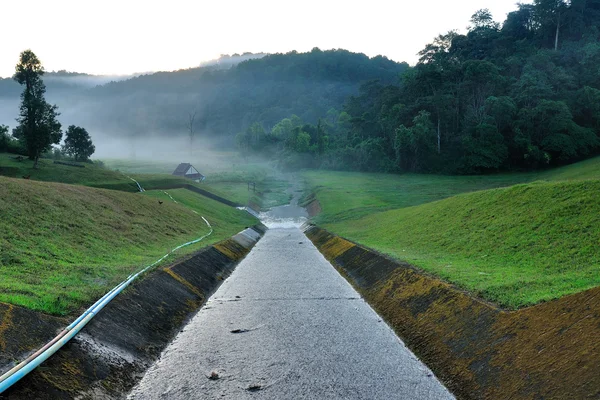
227,95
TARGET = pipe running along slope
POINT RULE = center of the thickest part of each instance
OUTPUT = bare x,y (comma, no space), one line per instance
41,355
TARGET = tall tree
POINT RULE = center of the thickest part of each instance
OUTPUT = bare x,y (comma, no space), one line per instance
550,13
78,143
190,127
38,127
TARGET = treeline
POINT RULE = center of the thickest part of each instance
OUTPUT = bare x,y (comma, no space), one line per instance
521,95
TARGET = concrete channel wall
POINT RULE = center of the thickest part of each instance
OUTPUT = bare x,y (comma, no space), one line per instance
550,351
114,350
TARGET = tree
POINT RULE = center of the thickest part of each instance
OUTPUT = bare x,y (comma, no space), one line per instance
243,144
414,145
482,19
190,127
520,24
38,127
256,134
78,143
283,129
550,14
4,138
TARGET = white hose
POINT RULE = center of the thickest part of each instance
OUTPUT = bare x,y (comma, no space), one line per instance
137,183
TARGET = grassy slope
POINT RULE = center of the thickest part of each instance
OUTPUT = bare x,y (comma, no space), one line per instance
91,175
61,246
222,218
516,246
588,169
352,195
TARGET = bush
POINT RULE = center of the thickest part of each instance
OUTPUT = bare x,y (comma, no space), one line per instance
8,144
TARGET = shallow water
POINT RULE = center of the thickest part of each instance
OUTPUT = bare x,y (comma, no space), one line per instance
288,216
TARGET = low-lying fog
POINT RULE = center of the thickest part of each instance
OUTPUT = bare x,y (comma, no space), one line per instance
159,145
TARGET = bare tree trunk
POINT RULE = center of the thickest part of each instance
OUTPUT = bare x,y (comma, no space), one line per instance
557,33
35,163
439,136
190,126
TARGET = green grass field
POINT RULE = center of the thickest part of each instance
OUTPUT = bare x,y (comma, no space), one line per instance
223,177
90,175
225,182
62,246
352,195
515,246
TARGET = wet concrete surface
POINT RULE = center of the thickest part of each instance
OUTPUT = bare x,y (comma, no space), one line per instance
287,216
286,325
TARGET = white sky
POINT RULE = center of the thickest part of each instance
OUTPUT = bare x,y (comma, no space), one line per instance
127,36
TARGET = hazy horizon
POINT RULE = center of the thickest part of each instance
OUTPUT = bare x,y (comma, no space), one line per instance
141,37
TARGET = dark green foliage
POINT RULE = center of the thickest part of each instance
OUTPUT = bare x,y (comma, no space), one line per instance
78,143
8,143
38,127
521,95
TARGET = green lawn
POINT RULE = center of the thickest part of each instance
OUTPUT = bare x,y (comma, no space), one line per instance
224,178
515,246
63,246
351,195
90,175
588,169
231,185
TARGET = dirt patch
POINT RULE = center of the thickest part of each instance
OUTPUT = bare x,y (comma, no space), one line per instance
311,204
314,208
550,351
113,351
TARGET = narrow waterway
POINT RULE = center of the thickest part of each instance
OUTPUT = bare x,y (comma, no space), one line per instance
286,325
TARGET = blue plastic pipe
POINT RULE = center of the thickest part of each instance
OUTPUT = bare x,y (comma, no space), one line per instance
19,371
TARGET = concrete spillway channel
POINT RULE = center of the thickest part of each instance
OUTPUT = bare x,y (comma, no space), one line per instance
286,325
283,325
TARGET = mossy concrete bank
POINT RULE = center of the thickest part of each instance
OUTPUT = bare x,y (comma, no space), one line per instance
549,351
113,351
22,331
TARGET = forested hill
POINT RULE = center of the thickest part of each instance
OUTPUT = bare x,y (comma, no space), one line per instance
226,100
518,95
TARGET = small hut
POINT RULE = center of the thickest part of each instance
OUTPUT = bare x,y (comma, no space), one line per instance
187,170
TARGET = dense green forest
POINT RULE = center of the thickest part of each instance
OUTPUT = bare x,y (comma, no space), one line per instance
519,95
